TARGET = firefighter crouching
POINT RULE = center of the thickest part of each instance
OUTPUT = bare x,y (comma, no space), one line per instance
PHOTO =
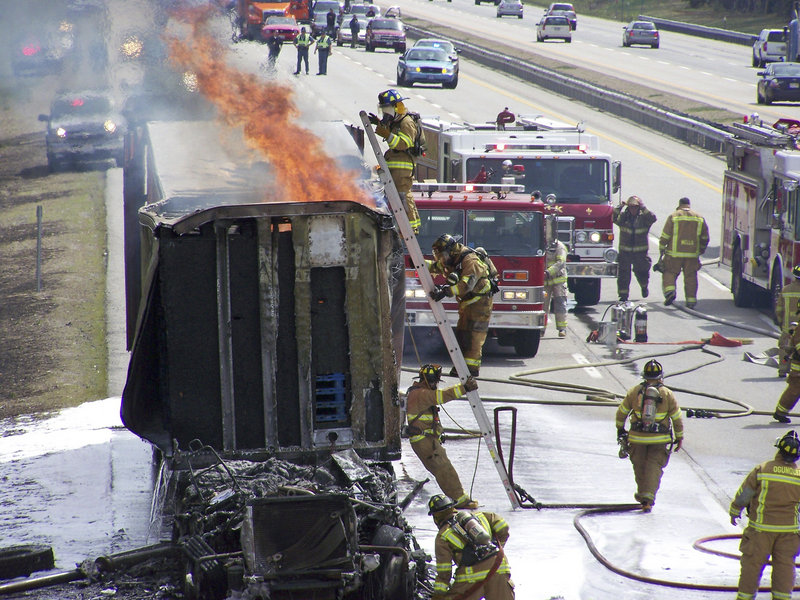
683,239
785,314
655,416
470,283
771,495
474,542
792,391
425,430
634,222
555,276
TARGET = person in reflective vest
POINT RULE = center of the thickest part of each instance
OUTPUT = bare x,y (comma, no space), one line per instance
399,130
634,222
555,276
683,239
785,309
482,570
656,429
423,400
323,50
771,495
791,393
468,281
302,42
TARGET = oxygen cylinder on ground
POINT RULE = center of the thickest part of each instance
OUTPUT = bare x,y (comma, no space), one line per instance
640,324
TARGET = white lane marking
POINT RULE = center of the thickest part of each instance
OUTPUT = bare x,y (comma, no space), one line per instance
664,62
731,79
455,116
590,371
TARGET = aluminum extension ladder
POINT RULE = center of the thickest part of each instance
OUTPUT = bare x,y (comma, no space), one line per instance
403,224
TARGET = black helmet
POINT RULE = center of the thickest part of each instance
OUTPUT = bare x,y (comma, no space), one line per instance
430,373
652,370
438,503
796,271
445,245
788,446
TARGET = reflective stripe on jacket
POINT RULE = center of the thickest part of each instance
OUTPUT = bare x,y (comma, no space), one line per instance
556,258
324,42
685,234
473,277
401,138
422,407
786,307
303,40
771,494
633,230
668,416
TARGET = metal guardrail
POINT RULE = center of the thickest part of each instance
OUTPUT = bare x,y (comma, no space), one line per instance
714,33
687,129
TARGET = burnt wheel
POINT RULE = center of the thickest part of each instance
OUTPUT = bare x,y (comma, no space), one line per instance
22,560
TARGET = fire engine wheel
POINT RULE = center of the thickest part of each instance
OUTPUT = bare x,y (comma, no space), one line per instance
587,292
22,560
526,342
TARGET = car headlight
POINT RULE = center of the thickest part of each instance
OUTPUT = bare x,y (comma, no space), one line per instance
595,237
61,132
110,126
580,236
417,69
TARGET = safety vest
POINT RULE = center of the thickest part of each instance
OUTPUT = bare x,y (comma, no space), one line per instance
324,42
401,138
633,230
303,40
685,234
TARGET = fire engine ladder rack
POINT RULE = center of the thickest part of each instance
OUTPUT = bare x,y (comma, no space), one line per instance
414,251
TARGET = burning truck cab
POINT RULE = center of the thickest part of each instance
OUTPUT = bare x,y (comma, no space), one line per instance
262,369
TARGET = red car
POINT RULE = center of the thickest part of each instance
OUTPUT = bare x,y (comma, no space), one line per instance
283,28
385,33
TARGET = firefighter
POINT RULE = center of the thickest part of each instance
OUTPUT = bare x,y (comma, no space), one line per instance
634,222
771,495
474,542
323,49
302,42
399,130
425,430
656,429
468,280
555,276
792,391
784,307
683,239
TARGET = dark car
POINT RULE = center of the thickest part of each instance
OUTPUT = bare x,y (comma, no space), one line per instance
640,32
427,65
385,33
83,130
779,81
319,23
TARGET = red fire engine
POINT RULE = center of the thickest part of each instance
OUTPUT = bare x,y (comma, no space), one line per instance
761,210
562,161
510,227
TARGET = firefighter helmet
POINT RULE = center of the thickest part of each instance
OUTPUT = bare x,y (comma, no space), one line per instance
652,370
634,201
389,98
788,446
431,374
796,271
445,245
438,503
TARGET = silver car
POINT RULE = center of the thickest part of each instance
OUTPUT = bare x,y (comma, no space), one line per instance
509,8
640,32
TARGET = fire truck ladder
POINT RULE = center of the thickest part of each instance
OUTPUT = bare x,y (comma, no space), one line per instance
401,218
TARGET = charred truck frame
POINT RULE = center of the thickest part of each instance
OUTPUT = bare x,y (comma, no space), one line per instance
262,369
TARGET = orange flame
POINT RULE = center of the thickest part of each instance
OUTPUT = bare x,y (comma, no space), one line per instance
266,112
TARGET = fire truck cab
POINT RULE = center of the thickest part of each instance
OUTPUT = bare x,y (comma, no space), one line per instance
562,161
509,225
761,210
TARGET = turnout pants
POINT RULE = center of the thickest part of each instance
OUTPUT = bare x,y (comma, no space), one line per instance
790,394
431,452
556,304
673,267
648,462
471,331
498,587
640,263
756,548
403,178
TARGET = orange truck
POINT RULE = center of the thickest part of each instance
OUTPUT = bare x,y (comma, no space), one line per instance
252,15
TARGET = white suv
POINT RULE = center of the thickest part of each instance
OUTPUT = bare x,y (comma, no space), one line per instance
769,47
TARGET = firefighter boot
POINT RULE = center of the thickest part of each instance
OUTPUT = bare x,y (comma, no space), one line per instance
645,291
669,298
780,417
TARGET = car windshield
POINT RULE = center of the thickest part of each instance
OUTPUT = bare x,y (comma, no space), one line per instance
280,21
427,54
386,24
446,46
649,26
80,105
556,21
363,9
786,69
572,181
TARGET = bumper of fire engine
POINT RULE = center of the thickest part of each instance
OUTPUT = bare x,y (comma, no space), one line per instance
591,269
534,319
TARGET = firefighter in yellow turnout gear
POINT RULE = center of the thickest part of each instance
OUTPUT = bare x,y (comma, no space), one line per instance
655,417
470,284
791,393
555,276
785,310
474,543
771,495
425,430
683,239
634,222
399,130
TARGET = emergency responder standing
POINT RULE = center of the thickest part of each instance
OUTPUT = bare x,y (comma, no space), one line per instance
302,42
634,222
771,495
330,21
399,130
656,427
274,46
683,239
425,430
785,313
468,280
474,543
555,276
323,48
355,28
792,391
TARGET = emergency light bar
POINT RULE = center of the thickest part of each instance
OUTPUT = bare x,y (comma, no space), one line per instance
506,147
467,187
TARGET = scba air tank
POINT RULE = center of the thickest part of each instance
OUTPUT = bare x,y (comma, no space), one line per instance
473,528
640,323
